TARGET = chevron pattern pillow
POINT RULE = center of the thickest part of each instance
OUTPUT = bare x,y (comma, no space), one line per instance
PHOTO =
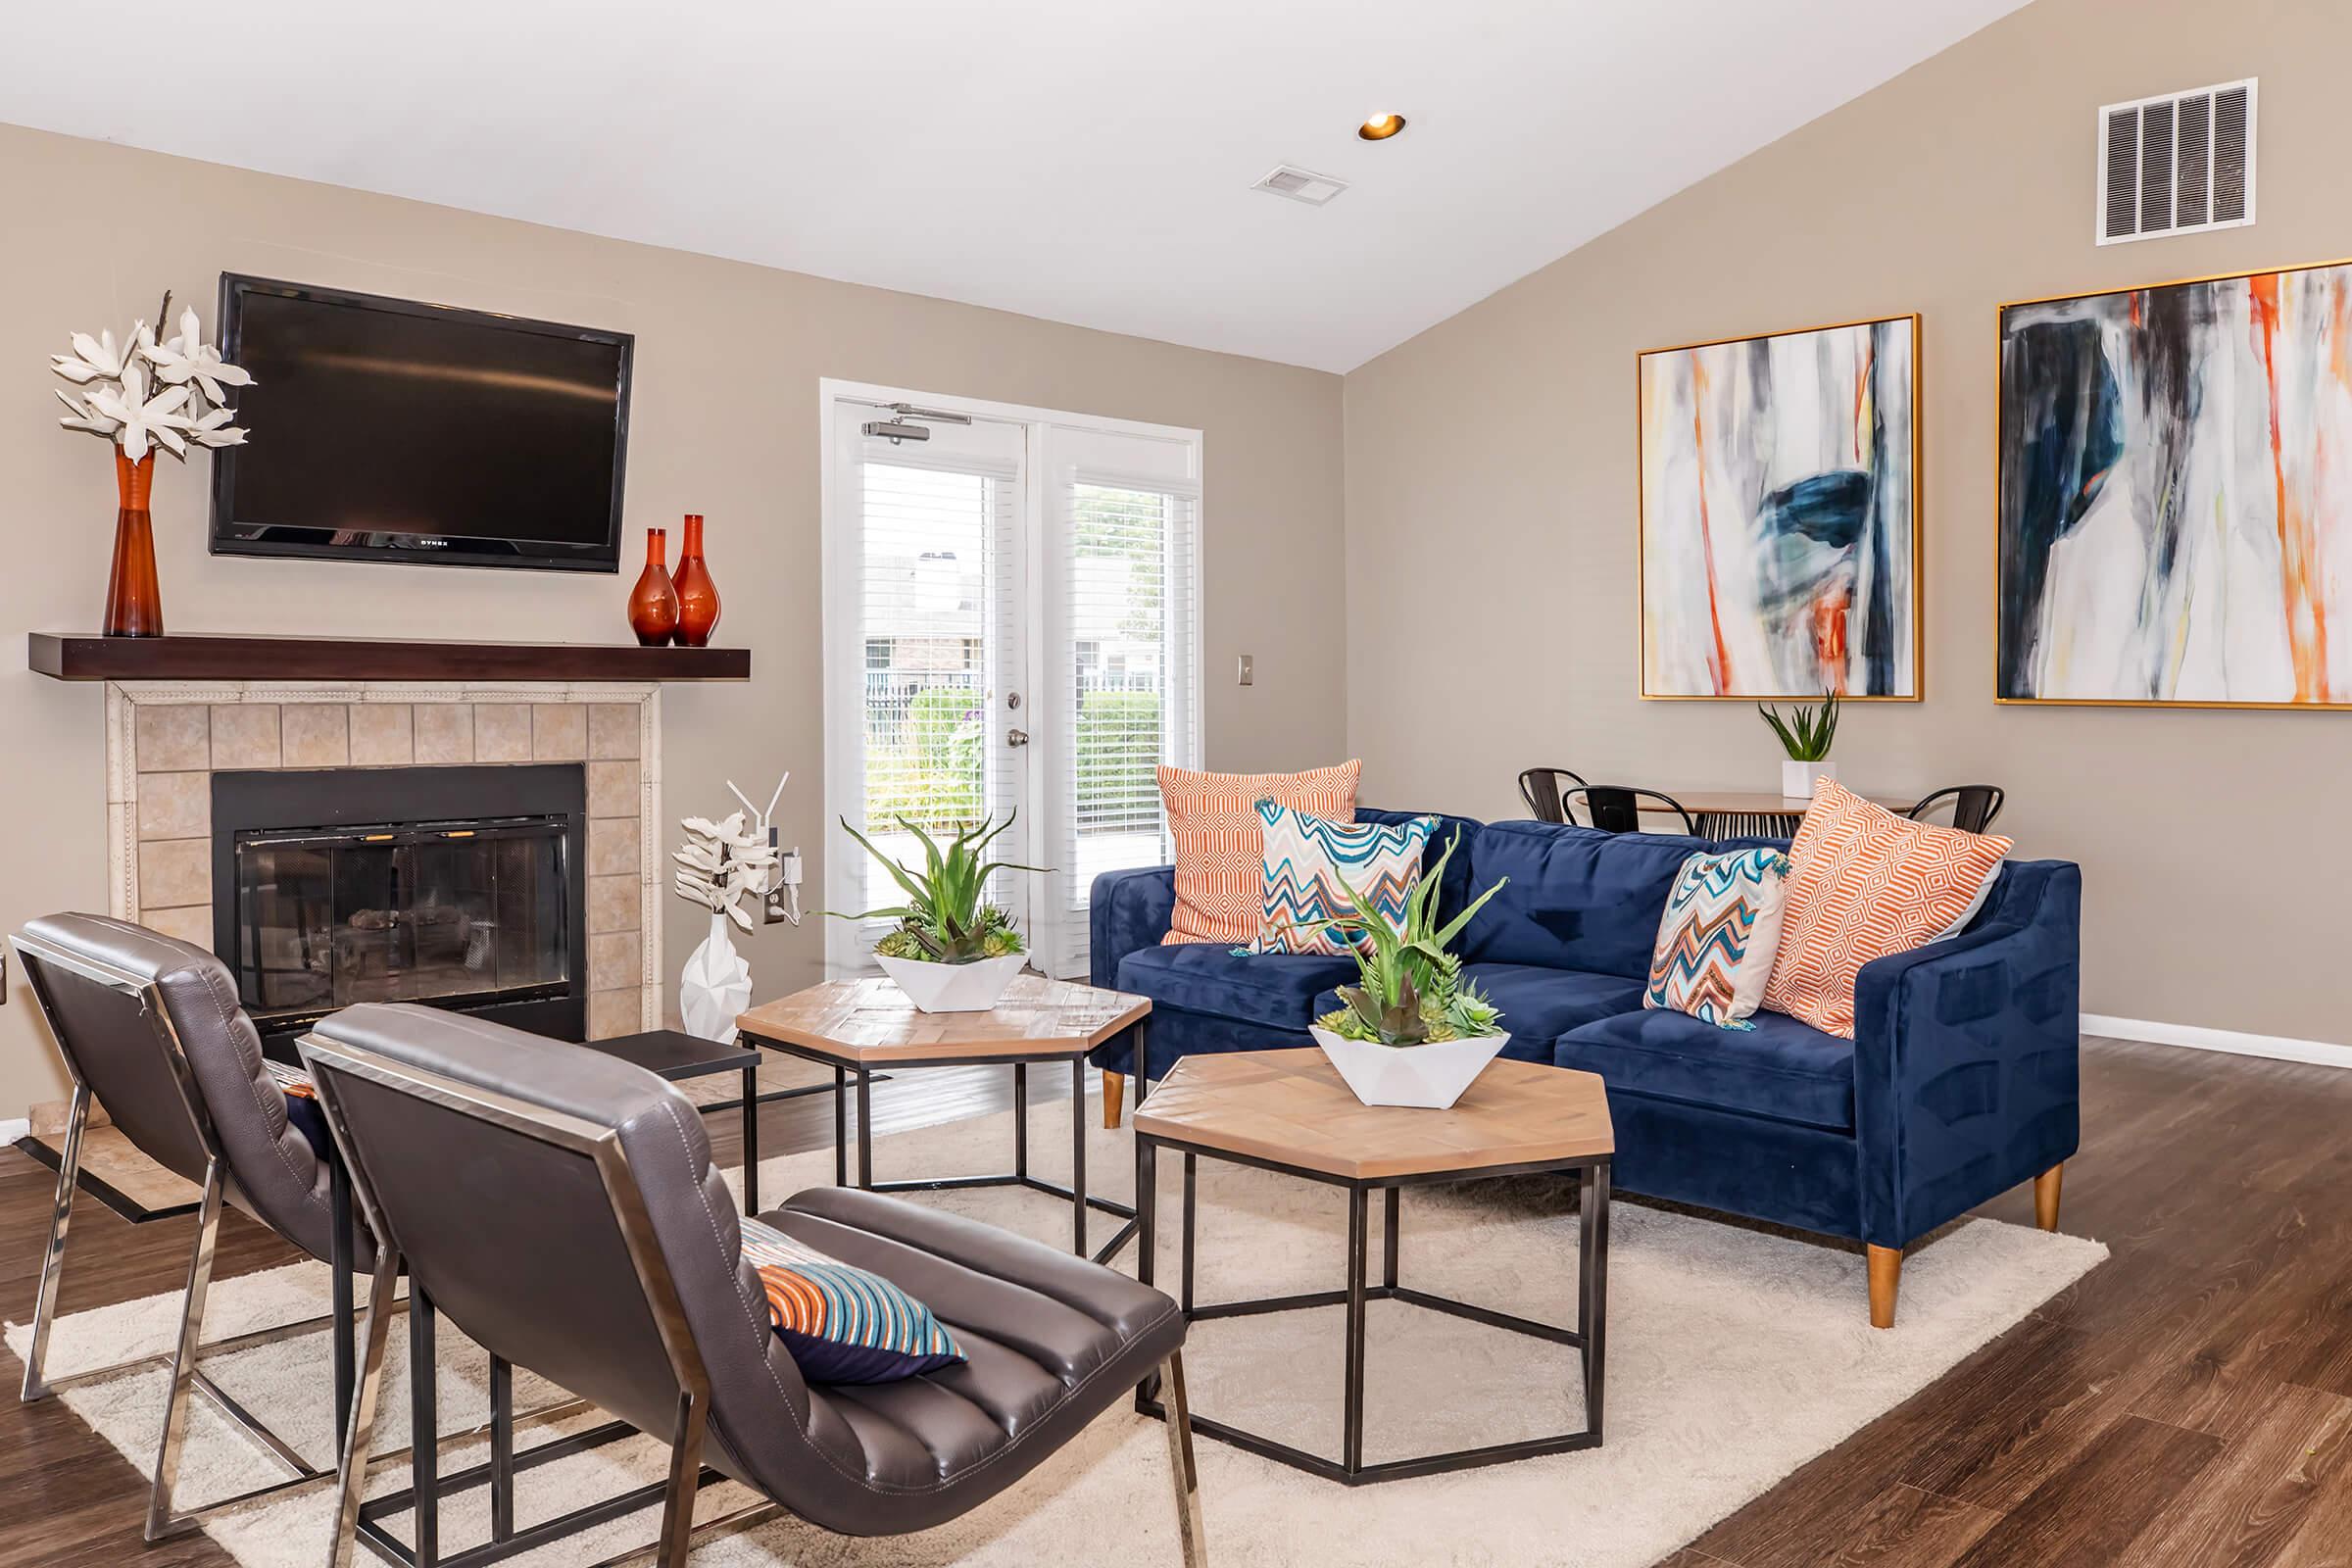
1311,863
842,1323
1717,937
1867,883
1221,843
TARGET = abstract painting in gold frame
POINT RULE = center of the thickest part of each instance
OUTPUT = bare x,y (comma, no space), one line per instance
1780,515
2175,494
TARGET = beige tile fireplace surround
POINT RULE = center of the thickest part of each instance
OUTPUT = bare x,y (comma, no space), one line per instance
165,741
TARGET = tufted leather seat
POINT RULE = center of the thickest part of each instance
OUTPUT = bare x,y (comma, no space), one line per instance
523,1243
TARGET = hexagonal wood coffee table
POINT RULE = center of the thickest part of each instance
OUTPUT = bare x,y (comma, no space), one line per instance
1290,1111
855,1026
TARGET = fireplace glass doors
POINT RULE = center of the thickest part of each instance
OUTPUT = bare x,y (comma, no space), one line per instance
451,915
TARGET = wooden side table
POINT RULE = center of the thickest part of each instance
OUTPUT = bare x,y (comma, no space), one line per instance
855,1026
1290,1111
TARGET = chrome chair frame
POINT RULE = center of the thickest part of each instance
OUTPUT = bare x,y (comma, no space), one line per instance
190,1346
687,1474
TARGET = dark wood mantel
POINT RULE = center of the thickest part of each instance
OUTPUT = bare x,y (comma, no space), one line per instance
75,656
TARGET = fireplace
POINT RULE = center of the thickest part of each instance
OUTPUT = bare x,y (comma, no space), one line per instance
458,887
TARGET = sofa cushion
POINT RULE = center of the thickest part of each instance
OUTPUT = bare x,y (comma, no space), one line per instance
1220,869
1577,898
1269,988
1782,1068
1540,1004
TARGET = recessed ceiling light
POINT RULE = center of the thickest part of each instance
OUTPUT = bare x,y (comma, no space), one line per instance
1380,127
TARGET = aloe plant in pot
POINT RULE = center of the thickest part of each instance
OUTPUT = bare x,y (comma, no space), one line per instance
951,950
1412,1031
1805,734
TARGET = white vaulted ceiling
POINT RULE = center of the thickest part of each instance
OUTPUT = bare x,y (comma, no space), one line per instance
1085,160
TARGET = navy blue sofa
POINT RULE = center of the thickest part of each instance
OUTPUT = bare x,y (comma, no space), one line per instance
1961,1082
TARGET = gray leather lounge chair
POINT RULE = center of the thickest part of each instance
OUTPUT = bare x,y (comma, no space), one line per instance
560,1207
150,1027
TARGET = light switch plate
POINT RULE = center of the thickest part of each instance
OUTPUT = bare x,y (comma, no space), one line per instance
1248,670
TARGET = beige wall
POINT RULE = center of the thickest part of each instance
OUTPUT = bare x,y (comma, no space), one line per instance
1502,442
725,422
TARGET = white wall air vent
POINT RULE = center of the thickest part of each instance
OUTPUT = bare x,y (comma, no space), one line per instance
2180,164
1301,185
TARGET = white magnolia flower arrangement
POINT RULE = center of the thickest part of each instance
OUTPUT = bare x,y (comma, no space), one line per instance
141,394
724,861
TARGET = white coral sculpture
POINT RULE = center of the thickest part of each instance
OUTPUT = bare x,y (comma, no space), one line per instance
143,395
721,862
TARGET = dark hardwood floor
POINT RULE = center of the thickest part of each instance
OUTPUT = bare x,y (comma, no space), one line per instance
2187,1404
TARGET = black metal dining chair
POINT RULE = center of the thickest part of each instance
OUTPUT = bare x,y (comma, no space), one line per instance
1974,805
1541,788
1617,808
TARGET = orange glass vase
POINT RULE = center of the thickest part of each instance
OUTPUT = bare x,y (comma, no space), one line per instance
698,595
653,602
134,598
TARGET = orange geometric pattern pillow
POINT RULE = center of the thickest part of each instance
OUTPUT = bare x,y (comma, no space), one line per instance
1221,845
1866,883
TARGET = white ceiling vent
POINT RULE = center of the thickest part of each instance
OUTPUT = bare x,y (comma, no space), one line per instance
2179,164
1299,185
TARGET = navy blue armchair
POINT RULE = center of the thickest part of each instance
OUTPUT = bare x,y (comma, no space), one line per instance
1962,1079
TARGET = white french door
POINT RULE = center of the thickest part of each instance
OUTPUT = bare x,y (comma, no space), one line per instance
1012,614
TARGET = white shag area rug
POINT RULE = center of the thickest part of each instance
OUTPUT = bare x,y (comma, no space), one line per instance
1733,1357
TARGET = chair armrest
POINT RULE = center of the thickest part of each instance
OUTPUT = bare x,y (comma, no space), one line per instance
1967,1058
1126,912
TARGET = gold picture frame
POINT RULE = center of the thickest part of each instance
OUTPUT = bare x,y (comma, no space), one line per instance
2000,520
1917,598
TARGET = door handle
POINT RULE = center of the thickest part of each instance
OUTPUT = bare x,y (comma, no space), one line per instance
1017,737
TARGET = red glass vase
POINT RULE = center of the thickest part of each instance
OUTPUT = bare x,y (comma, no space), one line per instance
653,602
698,595
134,598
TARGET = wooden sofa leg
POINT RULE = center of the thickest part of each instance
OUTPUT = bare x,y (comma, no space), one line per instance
2045,1195
1115,1090
1885,1278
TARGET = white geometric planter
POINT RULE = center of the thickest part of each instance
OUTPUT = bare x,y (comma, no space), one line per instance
715,985
953,987
1431,1077
1798,778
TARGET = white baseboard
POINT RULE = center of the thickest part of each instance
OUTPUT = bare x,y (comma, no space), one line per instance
2232,1041
11,1131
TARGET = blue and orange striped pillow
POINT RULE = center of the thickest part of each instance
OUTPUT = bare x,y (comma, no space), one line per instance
842,1323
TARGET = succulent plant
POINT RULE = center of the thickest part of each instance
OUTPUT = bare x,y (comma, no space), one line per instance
946,919
1806,732
1410,989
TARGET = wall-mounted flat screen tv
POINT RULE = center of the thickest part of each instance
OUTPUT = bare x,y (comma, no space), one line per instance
386,429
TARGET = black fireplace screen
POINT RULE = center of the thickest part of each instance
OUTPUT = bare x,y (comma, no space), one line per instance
444,912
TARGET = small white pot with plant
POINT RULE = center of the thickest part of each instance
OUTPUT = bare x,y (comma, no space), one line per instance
1412,1032
951,950
1805,734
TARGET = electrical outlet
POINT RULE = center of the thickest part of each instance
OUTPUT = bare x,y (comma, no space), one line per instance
1248,670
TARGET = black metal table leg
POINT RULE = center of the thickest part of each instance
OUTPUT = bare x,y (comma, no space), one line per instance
751,1139
501,1448
424,1428
1592,1278
1143,1061
865,1128
1388,1242
1078,1154
1191,1161
1020,1120
1147,1246
841,1128
346,1327
1352,1397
